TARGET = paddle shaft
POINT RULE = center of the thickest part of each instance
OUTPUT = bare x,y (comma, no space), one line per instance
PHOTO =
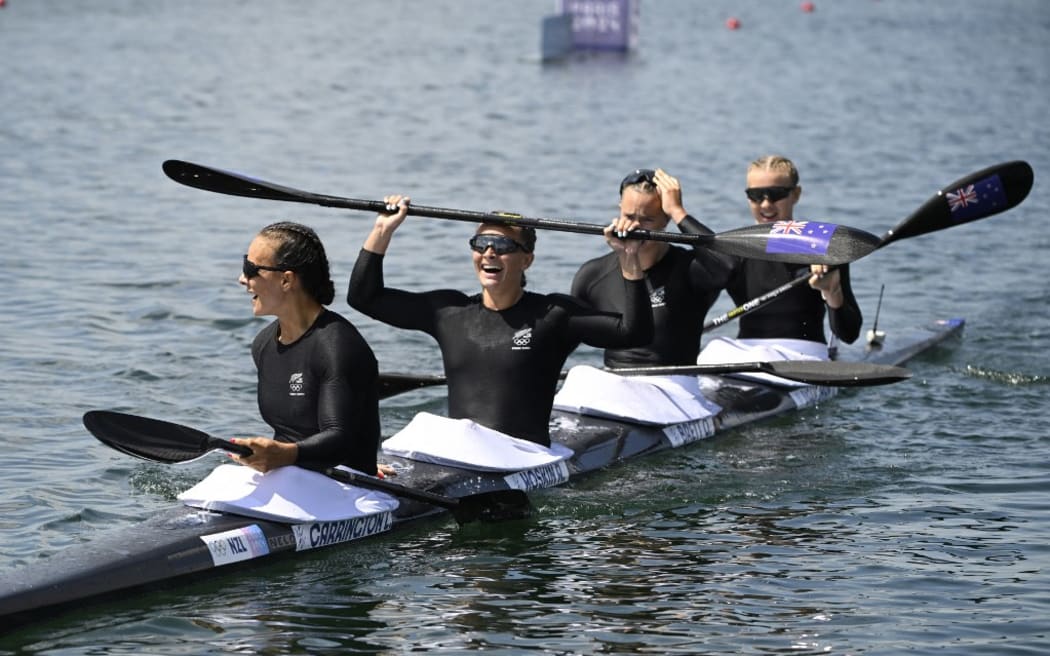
938,213
815,372
837,244
235,184
360,480
167,442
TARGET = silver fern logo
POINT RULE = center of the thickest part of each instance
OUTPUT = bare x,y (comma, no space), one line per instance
522,339
295,385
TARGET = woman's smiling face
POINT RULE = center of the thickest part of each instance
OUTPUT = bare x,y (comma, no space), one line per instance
768,210
496,271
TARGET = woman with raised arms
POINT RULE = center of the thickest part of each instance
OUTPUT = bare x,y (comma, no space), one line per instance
503,348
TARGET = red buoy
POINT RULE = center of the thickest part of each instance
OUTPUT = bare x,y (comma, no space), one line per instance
732,23
808,7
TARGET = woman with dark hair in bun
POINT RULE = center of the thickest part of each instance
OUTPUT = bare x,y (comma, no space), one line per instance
317,375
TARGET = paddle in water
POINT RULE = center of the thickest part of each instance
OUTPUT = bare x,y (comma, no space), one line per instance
977,196
169,443
813,242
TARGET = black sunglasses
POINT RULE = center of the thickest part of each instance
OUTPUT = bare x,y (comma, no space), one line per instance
639,175
251,269
756,194
500,244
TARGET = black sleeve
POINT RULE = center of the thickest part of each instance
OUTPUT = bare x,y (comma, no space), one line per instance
691,226
716,268
586,278
846,321
368,294
607,329
347,415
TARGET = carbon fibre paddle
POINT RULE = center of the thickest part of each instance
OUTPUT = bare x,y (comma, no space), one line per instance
815,243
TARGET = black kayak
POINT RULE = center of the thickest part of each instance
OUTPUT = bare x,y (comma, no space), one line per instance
186,544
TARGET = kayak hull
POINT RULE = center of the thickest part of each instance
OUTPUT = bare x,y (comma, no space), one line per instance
185,543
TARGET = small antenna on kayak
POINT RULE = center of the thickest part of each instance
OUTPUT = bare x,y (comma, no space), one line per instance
876,336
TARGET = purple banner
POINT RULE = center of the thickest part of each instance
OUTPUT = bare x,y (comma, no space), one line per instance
800,237
602,24
978,200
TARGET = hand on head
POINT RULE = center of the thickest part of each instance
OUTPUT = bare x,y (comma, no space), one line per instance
670,195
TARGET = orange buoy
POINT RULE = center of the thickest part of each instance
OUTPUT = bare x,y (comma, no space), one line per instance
733,23
808,7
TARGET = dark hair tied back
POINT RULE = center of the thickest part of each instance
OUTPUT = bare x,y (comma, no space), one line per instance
300,250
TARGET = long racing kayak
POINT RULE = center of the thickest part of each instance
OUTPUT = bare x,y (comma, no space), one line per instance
185,544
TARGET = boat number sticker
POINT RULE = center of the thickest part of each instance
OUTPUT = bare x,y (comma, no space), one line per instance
236,545
811,395
322,534
536,478
690,431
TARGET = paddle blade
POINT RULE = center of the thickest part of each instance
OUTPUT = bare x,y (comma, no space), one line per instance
153,439
976,196
234,184
497,506
797,242
394,384
838,373
834,373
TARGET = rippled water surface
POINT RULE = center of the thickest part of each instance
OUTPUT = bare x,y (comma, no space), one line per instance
903,519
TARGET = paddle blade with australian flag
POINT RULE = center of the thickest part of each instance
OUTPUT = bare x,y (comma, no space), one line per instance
978,195
799,242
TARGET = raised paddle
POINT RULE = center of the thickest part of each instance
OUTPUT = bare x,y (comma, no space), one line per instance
977,196
812,242
163,441
835,373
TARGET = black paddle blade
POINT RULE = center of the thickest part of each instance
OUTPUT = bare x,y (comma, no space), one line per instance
837,373
394,384
234,184
833,373
797,242
976,196
153,439
497,506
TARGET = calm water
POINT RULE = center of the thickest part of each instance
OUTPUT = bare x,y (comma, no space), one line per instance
910,518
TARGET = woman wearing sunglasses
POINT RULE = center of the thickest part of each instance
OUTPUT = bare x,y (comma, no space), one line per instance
682,283
503,348
772,192
317,375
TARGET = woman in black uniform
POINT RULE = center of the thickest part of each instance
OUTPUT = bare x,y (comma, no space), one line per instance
503,348
683,283
772,192
317,375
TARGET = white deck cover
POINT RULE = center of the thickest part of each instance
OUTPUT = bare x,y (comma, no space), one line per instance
287,494
465,443
655,400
